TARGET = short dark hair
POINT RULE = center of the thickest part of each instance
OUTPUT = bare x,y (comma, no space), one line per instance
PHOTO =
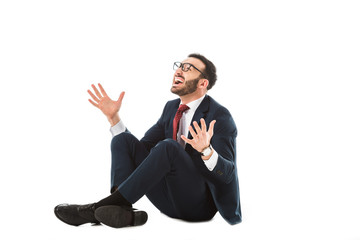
210,69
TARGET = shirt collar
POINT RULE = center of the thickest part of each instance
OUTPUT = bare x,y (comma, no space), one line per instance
195,104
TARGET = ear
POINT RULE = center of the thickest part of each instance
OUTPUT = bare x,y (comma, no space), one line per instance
203,83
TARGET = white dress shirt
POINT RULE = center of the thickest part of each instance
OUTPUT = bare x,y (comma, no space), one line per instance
184,124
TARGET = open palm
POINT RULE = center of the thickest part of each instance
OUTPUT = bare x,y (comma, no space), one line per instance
102,101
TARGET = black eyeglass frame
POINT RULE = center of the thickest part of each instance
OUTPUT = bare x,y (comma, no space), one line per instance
175,67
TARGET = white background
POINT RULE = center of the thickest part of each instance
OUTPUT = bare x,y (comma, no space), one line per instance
288,71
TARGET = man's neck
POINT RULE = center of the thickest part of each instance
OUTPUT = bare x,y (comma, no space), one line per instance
191,97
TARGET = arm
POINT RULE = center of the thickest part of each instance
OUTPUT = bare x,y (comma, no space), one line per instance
111,109
222,141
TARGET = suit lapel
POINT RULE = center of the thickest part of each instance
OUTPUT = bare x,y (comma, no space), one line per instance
174,109
201,112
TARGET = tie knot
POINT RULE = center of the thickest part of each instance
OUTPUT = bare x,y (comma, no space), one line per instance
183,108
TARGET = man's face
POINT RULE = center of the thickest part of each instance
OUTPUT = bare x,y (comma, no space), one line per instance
187,82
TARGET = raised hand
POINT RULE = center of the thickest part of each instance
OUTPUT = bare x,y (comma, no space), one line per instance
108,106
201,137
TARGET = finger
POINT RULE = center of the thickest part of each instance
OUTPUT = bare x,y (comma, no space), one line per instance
186,140
211,127
93,103
102,90
203,125
122,94
93,96
96,91
192,132
197,128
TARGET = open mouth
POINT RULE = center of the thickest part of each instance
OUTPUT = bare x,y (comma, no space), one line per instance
178,81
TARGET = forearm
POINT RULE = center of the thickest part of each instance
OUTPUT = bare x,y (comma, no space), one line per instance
211,160
113,120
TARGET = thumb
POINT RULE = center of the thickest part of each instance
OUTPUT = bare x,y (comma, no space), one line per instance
122,94
211,127
185,139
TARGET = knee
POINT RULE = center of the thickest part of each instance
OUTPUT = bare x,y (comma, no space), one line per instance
168,144
169,147
122,140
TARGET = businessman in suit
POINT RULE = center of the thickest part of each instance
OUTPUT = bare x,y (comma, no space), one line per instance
185,164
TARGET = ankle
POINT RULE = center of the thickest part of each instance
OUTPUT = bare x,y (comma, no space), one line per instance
114,199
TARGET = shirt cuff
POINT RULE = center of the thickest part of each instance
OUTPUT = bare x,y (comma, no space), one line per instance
211,163
117,128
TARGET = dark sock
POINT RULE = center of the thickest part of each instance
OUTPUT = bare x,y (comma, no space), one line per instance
114,199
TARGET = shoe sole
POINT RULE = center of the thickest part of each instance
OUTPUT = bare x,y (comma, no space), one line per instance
118,217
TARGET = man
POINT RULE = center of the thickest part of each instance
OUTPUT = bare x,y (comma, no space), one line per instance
185,164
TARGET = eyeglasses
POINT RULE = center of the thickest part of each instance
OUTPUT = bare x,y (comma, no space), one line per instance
185,67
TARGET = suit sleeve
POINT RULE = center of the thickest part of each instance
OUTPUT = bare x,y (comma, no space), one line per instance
224,143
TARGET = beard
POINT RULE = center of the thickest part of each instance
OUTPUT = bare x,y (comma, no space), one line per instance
189,87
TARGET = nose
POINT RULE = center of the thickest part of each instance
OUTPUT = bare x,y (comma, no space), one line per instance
179,71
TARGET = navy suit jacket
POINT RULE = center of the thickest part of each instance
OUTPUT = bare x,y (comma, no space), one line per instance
222,180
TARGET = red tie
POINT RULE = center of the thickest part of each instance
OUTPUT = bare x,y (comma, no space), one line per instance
177,118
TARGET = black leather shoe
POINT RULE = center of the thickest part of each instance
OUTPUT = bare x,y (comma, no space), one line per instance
76,214
118,217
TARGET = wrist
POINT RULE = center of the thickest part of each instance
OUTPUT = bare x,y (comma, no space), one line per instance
207,152
205,158
114,120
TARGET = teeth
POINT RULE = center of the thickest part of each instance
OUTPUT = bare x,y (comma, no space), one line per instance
178,80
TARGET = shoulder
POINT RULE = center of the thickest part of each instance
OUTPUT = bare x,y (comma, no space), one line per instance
224,121
171,104
216,107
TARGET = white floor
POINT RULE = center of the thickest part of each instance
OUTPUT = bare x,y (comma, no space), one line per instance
264,218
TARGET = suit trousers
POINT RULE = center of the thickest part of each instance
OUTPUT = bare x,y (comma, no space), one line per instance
166,175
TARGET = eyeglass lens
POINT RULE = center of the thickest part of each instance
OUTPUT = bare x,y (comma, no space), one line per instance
184,66
176,65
